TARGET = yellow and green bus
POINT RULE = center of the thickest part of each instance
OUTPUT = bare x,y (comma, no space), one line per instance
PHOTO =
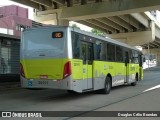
66,58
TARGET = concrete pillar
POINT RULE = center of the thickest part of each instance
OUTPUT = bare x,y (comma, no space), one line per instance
158,58
153,28
50,17
62,22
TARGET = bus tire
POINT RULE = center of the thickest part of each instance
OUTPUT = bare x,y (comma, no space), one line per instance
136,79
35,88
71,92
107,86
134,84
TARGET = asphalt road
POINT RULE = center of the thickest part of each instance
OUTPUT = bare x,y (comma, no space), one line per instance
122,98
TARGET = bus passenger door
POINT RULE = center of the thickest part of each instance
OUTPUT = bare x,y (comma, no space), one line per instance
87,55
127,66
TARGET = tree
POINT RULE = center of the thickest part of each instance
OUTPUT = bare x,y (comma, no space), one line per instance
98,32
75,26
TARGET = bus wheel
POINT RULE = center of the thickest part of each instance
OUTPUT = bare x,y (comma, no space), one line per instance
35,88
135,83
71,92
107,87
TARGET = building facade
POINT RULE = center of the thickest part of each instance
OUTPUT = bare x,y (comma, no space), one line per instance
13,19
9,54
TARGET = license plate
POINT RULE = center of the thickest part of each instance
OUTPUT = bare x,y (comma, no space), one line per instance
43,82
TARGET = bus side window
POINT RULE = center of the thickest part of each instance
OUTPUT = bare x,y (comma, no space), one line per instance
119,54
135,57
76,45
90,54
110,52
103,51
100,48
84,55
131,59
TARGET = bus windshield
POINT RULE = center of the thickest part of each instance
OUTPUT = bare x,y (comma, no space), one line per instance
42,40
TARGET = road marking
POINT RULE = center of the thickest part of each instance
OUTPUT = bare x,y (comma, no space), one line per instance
152,88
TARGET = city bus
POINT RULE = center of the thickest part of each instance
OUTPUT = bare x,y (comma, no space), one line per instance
61,57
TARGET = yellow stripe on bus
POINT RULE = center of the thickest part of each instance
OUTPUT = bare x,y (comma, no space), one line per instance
33,68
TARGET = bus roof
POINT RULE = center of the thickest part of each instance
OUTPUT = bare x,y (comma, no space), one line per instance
44,27
85,33
104,39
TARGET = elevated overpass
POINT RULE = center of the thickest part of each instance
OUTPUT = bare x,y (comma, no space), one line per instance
130,21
